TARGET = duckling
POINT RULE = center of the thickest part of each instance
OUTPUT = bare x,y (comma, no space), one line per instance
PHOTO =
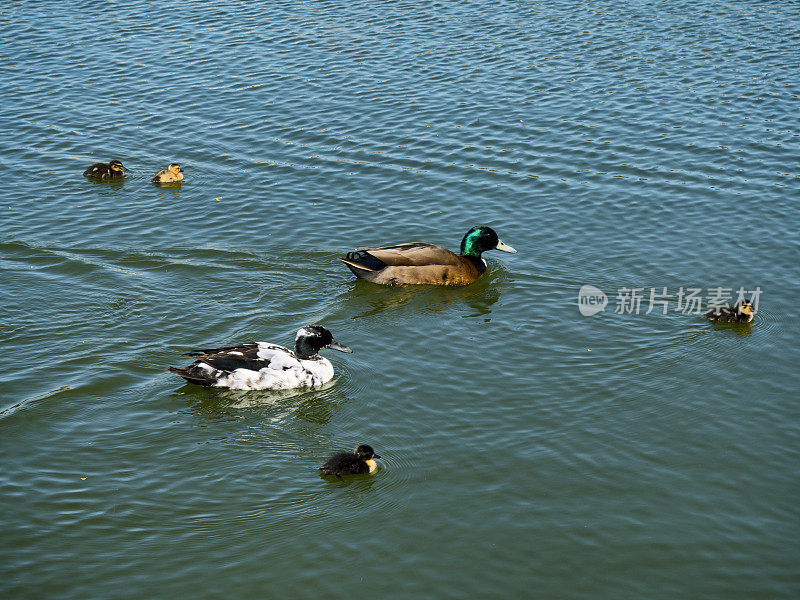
265,366
112,170
351,463
742,312
173,173
422,263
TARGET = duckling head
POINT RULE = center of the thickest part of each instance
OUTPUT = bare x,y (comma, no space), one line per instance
480,239
313,338
746,307
367,454
175,168
116,165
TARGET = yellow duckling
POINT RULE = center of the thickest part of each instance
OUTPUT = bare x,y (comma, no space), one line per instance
171,174
422,263
111,170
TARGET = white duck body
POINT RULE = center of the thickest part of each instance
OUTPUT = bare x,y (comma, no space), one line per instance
265,366
282,370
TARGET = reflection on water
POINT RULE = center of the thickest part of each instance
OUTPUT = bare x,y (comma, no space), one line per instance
477,298
173,187
113,184
313,405
362,483
740,329
380,298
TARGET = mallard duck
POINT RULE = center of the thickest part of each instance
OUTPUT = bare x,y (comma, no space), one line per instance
351,463
171,174
421,263
265,366
111,170
742,312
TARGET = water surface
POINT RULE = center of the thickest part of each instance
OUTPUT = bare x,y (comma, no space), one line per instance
528,451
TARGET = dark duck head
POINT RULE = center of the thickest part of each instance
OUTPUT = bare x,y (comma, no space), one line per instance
481,238
313,338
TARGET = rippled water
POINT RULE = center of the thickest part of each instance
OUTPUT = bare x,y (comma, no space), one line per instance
528,451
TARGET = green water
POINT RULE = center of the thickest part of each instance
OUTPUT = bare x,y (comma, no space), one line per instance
528,451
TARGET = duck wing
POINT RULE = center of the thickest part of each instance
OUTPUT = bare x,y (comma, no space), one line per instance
252,356
97,170
413,254
343,463
413,263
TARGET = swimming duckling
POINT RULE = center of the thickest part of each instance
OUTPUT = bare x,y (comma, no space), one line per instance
265,366
422,263
112,170
171,174
742,312
351,463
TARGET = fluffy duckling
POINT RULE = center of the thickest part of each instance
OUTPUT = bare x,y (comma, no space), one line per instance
422,263
265,366
742,312
351,463
173,173
112,170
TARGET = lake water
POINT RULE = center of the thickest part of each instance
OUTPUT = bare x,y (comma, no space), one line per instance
529,451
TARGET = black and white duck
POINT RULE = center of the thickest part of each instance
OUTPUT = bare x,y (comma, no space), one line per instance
265,366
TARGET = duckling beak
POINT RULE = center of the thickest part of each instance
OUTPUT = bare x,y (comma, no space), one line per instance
505,247
334,345
124,168
375,455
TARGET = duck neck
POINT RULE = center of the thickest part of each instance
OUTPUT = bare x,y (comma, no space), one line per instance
472,252
304,350
470,248
477,261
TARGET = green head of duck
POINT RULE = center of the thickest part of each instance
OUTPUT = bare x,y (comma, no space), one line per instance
481,238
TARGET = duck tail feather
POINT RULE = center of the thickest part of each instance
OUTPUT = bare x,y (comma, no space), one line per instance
191,377
362,259
356,266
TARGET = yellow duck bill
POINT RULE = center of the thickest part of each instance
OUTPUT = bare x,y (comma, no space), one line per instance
505,247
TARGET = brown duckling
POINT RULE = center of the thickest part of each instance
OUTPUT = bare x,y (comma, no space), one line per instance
742,312
172,174
422,263
112,170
